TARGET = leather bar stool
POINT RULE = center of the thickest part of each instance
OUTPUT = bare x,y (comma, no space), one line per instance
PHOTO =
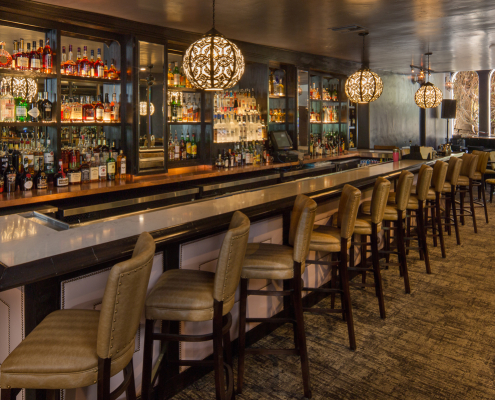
416,205
465,185
337,241
479,179
437,185
193,295
491,175
369,225
393,221
279,262
449,191
76,348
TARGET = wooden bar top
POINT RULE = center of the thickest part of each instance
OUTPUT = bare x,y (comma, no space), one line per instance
175,175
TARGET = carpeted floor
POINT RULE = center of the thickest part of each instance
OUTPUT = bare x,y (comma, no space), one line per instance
436,343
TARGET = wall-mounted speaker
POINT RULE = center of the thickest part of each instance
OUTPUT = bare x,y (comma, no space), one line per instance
448,109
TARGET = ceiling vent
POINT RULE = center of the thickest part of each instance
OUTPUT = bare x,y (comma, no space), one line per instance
349,28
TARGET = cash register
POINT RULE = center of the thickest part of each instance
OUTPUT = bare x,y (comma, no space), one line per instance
283,148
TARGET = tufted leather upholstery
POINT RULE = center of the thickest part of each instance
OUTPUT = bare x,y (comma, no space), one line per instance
272,261
468,169
189,295
62,351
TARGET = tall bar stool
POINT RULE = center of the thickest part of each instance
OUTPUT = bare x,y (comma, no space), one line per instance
337,241
437,185
491,175
369,224
449,191
465,185
416,205
279,262
479,179
192,295
393,219
76,348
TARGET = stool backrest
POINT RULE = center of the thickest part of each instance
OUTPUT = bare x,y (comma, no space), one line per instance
231,257
469,164
439,175
348,209
454,170
424,182
123,301
301,226
483,157
404,186
492,159
379,199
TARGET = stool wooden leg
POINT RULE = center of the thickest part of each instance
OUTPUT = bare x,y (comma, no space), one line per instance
346,295
147,360
364,254
227,348
352,259
130,390
408,231
401,248
422,236
301,334
7,394
103,387
387,243
461,201
484,197
492,186
218,351
433,222
454,215
447,221
242,334
439,223
471,204
376,270
333,281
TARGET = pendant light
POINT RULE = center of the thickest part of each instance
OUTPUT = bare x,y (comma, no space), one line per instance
213,62
363,86
428,95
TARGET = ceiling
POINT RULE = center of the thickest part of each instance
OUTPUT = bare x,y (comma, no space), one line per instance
460,33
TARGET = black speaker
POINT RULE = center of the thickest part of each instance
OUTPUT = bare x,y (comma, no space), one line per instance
448,109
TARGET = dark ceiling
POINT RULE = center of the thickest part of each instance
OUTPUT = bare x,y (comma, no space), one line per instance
460,33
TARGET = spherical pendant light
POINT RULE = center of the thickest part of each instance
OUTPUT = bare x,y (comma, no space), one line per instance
363,86
213,62
428,96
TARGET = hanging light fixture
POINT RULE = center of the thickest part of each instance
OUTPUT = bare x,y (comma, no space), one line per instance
363,86
143,108
21,87
428,95
213,62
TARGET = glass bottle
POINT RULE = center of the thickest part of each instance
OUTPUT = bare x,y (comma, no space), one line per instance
5,57
7,105
112,71
93,170
26,179
60,179
15,55
10,176
47,108
63,63
84,64
194,148
107,112
22,59
41,179
114,109
76,111
21,108
99,67
170,76
49,158
102,170
121,166
34,114
176,148
47,58
176,73
88,111
85,170
70,65
92,62
111,168
78,66
99,109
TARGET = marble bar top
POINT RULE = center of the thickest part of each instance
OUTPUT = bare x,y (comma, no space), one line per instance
23,241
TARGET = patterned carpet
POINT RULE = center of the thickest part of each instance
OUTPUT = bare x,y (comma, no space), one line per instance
436,343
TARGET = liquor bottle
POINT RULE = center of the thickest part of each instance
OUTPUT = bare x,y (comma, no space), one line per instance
99,66
121,166
93,170
34,114
28,55
10,176
99,109
76,111
281,89
22,58
271,86
49,159
38,157
41,180
335,95
178,107
111,168
47,58
102,170
183,148
176,73
40,52
182,78
60,179
15,55
78,66
105,70
114,152
174,109
88,111
63,62
85,170
176,148
105,151
92,62
21,108
107,112
47,115
170,76
188,147
5,57
112,71
84,64
194,148
70,66
7,105
114,109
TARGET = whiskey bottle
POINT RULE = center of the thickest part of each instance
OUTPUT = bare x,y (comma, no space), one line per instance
92,65
10,176
113,151
60,179
176,73
70,65
78,65
47,108
84,64
170,76
111,168
99,66
15,55
22,58
112,71
76,111
88,111
74,174
41,180
121,166
49,158
85,170
188,147
107,112
114,109
47,58
102,170
63,62
99,109
93,171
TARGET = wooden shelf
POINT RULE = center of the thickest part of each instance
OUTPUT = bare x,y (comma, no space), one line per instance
270,122
183,163
89,80
183,89
27,74
352,127
67,124
184,123
276,97
27,124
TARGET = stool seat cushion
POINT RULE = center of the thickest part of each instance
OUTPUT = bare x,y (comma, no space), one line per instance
183,295
477,176
390,213
431,193
413,200
490,181
326,238
60,353
463,180
446,187
268,261
362,226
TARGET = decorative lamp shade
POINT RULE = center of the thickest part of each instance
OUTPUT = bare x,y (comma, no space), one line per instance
213,62
428,96
363,86
21,87
143,108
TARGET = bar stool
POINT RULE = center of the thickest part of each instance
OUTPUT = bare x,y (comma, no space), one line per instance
416,204
76,348
491,173
279,262
437,185
337,241
192,295
370,224
465,184
395,214
479,179
449,191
